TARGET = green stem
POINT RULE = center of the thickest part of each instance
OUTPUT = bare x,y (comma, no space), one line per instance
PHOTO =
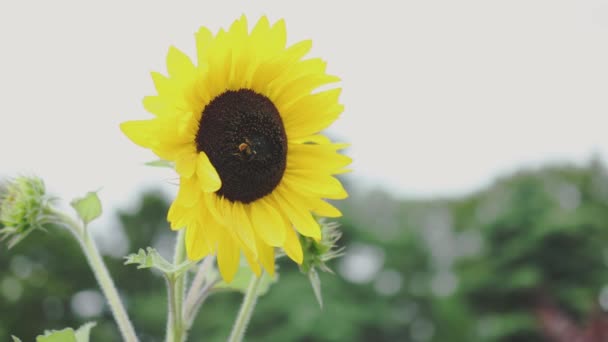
176,289
249,301
102,275
198,292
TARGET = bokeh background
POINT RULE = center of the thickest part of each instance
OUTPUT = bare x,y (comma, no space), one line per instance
479,197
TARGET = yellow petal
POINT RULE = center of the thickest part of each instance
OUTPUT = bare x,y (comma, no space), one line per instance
179,66
300,87
299,216
227,257
311,114
215,206
266,256
207,175
320,207
278,35
261,29
196,246
203,41
311,183
169,90
292,247
267,222
315,158
157,106
188,194
185,164
253,262
319,139
242,227
238,28
177,216
141,132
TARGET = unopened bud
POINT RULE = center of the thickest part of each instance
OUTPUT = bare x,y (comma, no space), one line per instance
23,208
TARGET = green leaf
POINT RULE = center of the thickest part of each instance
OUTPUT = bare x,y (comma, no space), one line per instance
82,334
161,163
15,339
315,282
65,335
150,258
88,207
242,278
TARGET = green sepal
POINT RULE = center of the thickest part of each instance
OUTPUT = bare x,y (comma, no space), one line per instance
315,282
161,163
88,207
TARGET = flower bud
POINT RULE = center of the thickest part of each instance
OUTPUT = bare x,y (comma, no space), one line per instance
318,253
23,207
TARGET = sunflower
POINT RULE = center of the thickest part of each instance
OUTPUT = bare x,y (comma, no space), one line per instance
242,126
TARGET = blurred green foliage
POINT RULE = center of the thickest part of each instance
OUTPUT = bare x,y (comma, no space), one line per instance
475,268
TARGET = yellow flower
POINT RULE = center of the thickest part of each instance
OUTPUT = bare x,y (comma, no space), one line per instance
242,126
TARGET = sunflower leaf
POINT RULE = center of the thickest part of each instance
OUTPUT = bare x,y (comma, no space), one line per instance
83,333
88,207
65,335
150,258
315,282
161,163
241,281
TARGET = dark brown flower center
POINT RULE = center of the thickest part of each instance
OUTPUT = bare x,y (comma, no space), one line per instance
242,133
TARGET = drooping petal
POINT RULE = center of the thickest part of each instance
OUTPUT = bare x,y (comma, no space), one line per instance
227,257
299,216
268,223
188,194
185,164
242,227
292,247
207,175
196,246
266,256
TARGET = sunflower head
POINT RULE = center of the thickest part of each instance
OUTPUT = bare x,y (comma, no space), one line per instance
241,123
23,202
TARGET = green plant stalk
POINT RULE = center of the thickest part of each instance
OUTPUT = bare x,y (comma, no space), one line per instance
200,288
102,275
176,288
246,311
109,290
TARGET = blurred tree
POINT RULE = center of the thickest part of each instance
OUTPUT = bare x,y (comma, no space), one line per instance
543,261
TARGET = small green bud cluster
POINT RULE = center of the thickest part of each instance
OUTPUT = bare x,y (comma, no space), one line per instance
318,253
23,208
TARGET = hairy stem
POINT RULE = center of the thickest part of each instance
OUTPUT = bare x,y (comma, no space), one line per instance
246,311
199,290
102,275
175,289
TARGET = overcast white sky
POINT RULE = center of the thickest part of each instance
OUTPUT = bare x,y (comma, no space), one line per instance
441,96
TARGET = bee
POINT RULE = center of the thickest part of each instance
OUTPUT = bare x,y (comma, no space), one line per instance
254,148
246,151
